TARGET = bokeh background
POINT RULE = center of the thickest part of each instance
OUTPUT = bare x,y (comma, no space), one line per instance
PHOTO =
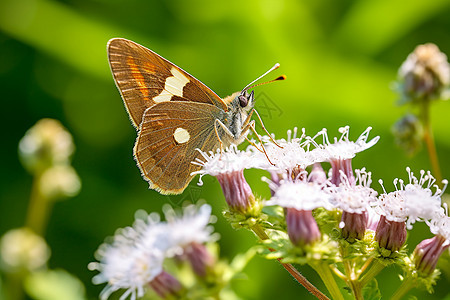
340,58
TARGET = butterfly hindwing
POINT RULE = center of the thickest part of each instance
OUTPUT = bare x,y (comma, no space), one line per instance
169,135
144,79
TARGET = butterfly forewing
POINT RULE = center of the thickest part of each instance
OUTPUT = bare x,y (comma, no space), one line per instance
144,79
169,135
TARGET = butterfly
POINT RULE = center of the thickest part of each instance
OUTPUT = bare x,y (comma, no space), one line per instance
175,114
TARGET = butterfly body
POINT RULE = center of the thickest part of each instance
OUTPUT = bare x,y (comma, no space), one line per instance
176,115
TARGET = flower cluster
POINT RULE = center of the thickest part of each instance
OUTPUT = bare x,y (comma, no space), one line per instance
133,259
312,199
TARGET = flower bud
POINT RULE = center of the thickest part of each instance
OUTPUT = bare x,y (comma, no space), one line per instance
317,174
427,253
166,286
339,167
408,133
200,258
23,249
238,193
301,227
59,182
45,144
353,225
425,75
390,235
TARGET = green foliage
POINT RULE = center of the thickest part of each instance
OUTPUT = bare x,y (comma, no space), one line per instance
371,291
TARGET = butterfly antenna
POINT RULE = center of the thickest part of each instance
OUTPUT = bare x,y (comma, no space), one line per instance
252,85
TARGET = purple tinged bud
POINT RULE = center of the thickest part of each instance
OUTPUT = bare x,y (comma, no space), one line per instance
301,227
317,174
390,235
166,286
353,225
199,257
275,177
238,193
427,253
344,165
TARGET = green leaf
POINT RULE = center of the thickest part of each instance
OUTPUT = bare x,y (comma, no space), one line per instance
54,285
371,291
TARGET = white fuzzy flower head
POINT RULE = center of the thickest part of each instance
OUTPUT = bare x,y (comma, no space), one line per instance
342,148
45,144
127,263
227,161
299,194
288,155
190,227
22,249
413,201
354,198
440,225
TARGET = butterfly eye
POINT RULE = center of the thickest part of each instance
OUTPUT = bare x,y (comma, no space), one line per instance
243,101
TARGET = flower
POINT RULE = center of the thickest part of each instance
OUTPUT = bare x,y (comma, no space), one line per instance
45,144
189,227
408,133
227,161
127,264
411,202
22,249
425,74
300,197
340,153
354,200
288,155
228,167
299,194
427,253
133,259
59,181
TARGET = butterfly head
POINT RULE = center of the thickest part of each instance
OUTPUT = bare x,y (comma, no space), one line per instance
246,100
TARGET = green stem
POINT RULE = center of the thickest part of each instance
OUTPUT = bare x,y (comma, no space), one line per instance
327,277
14,285
38,208
407,285
373,271
259,231
352,281
429,141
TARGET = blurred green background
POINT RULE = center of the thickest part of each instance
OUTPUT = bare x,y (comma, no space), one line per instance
340,58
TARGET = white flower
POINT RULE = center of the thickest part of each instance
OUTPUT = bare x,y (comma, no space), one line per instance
354,198
190,227
343,148
227,161
440,224
127,264
289,154
411,202
21,248
299,194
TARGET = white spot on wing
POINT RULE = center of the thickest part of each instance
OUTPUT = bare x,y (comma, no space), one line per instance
181,135
173,86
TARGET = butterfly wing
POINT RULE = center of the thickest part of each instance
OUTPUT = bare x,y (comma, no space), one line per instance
144,79
169,135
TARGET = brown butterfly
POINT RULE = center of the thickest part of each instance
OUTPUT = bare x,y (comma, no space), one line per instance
175,114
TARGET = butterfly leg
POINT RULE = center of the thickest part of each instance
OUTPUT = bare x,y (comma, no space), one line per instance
251,126
264,128
217,124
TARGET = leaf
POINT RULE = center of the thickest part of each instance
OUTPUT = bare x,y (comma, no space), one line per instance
54,285
371,291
